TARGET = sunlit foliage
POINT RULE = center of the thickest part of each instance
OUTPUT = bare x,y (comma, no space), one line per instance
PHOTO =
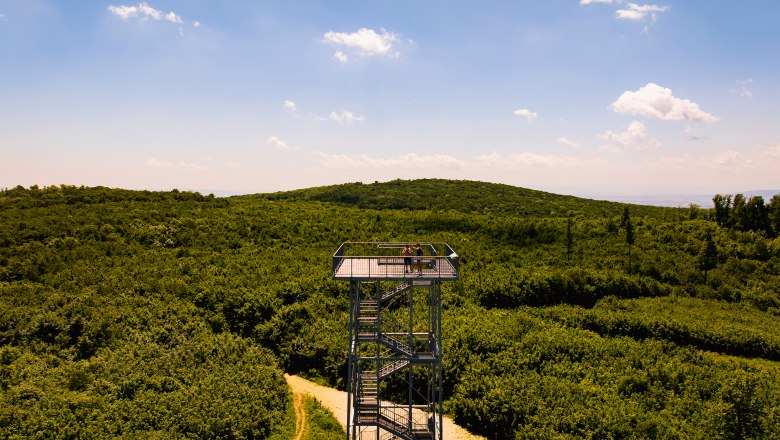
145,314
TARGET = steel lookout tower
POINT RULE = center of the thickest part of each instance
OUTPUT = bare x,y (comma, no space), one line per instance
394,366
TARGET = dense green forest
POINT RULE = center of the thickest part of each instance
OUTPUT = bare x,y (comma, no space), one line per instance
142,314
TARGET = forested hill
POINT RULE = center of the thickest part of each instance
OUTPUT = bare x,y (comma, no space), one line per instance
463,196
137,314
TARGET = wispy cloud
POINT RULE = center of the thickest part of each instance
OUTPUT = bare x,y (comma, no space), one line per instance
730,160
341,57
173,18
636,12
143,11
290,106
403,161
742,88
635,137
345,117
364,42
633,11
758,162
727,158
500,161
656,102
569,143
688,130
773,152
155,163
280,144
528,114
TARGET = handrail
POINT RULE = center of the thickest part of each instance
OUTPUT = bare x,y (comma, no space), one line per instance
361,266
383,260
339,253
398,416
372,248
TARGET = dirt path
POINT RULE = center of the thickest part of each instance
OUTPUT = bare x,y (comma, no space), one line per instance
336,402
300,415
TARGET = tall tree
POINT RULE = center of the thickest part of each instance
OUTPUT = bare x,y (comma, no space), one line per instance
774,214
625,222
722,209
629,240
756,217
693,211
569,239
708,257
626,217
738,212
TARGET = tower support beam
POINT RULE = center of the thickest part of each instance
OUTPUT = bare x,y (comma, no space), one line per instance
394,365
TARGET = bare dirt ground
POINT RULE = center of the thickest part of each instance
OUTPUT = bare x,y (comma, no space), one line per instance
300,415
336,402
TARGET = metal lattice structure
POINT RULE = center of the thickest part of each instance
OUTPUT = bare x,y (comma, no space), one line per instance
394,365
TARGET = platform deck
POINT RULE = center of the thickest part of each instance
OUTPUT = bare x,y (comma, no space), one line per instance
374,268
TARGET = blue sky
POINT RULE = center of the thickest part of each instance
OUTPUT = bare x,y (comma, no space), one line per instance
583,97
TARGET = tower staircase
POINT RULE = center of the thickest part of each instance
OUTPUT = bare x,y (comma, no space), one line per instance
395,338
368,408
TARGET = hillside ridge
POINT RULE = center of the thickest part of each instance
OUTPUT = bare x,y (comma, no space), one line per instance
465,196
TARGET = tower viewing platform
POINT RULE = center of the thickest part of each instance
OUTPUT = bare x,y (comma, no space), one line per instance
395,337
385,261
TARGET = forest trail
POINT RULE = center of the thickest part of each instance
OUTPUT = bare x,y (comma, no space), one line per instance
336,401
300,415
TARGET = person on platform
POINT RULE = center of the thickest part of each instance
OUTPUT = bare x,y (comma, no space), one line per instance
407,253
419,252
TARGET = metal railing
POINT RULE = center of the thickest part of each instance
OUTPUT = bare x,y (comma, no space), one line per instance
398,416
369,260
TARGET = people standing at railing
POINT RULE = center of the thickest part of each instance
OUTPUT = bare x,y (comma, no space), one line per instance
407,253
419,253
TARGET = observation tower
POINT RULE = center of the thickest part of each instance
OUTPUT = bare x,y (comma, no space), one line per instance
394,366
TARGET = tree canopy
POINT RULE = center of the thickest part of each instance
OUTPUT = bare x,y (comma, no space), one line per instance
132,313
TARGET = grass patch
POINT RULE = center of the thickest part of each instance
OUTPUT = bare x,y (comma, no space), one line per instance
320,422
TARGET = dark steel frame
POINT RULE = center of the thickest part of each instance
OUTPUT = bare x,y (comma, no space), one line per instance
370,343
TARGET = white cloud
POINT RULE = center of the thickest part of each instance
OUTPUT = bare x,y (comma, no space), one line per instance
528,114
345,117
364,41
147,10
688,130
280,144
290,106
759,162
144,12
656,102
196,24
635,136
341,57
636,12
124,12
727,158
173,18
155,163
743,90
568,142
523,160
773,152
404,161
